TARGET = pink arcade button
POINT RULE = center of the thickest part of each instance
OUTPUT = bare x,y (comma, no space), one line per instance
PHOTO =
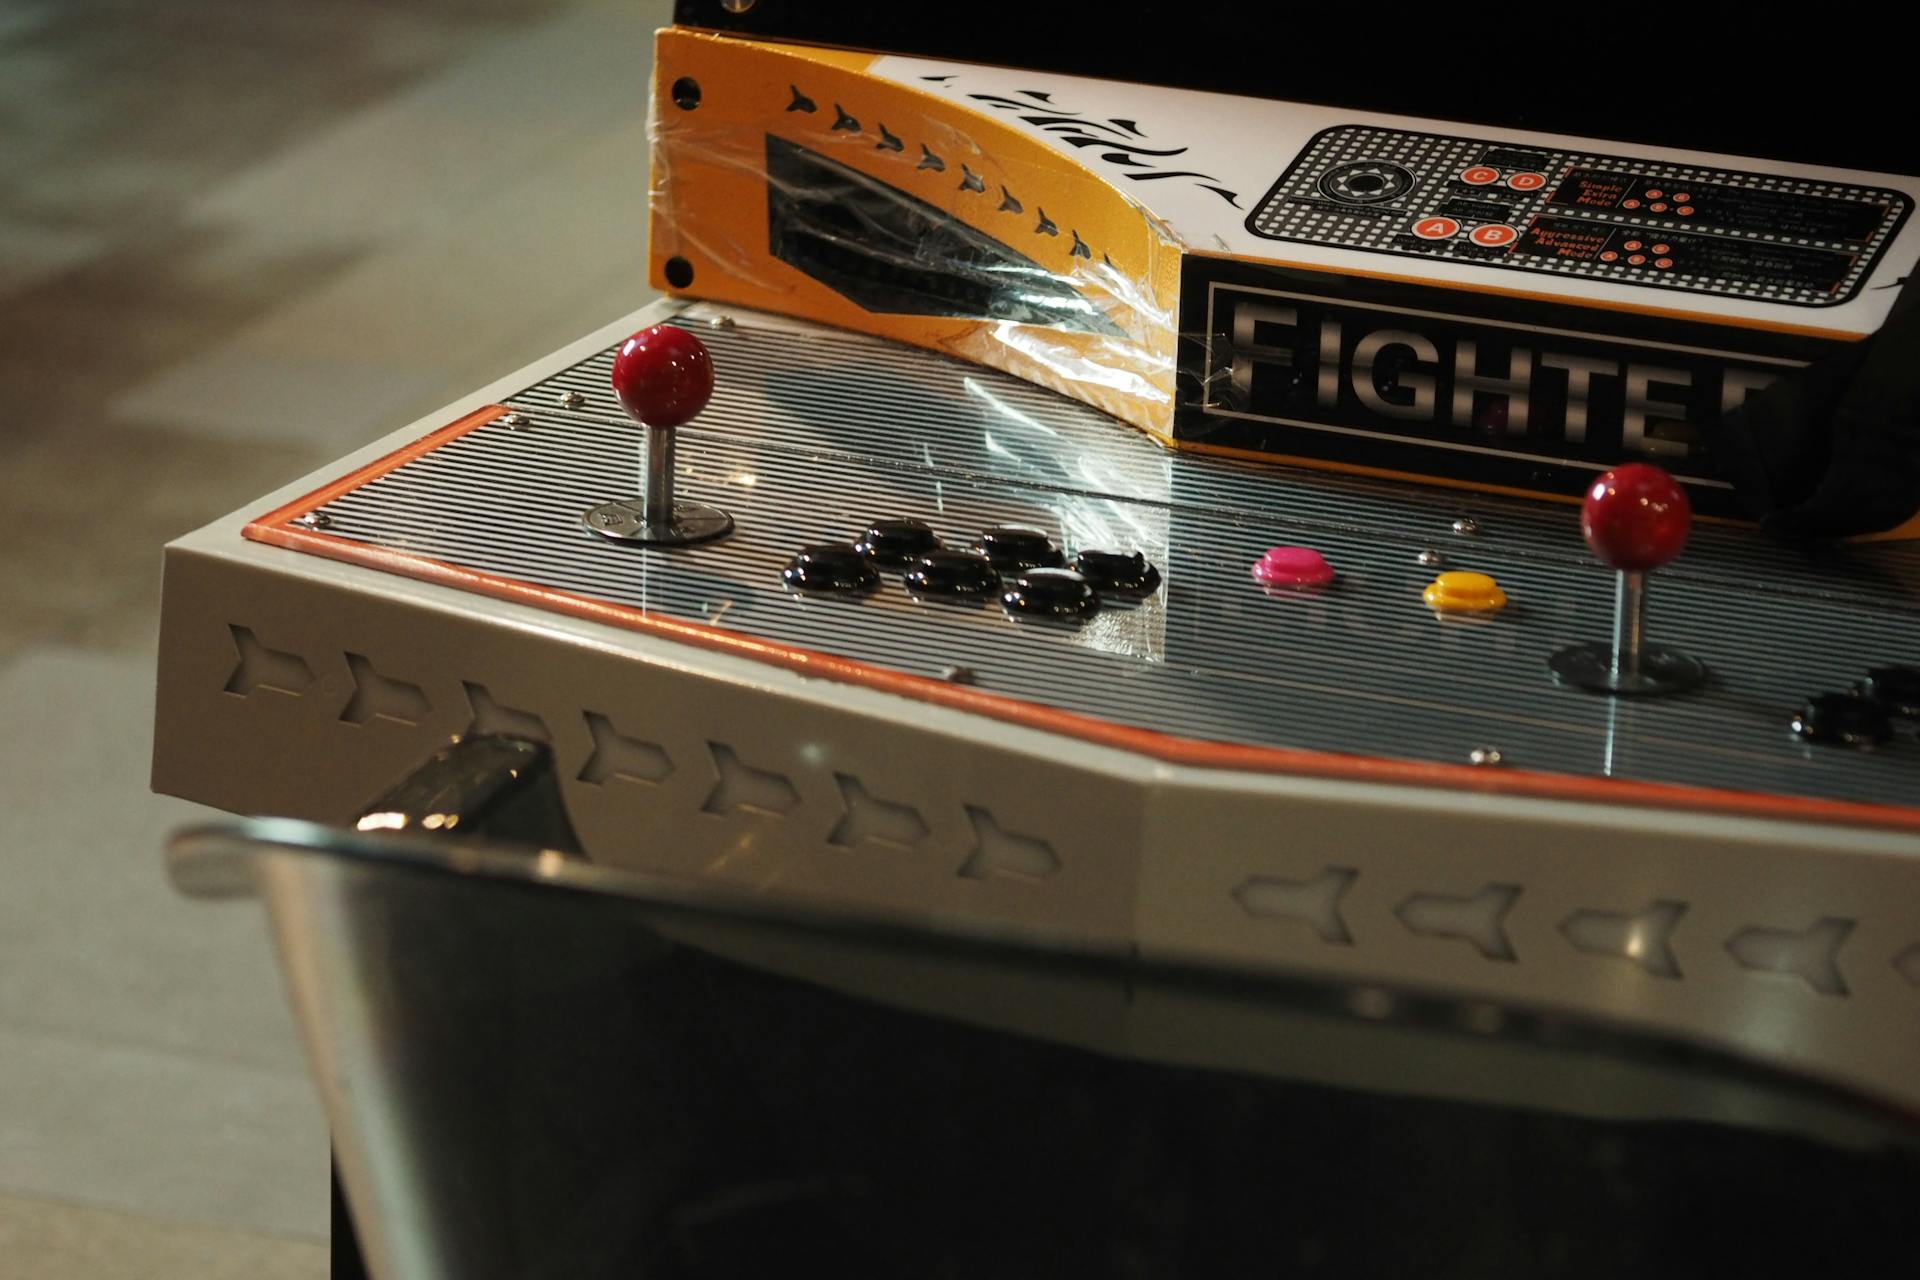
1292,567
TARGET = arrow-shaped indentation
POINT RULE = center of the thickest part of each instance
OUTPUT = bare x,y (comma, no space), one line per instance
1476,920
1812,955
1907,964
1000,852
1641,938
741,786
617,756
375,695
261,667
870,818
1314,903
490,716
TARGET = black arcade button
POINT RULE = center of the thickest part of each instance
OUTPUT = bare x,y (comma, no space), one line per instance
952,573
1895,689
1842,718
1123,573
897,543
1014,547
830,568
1051,593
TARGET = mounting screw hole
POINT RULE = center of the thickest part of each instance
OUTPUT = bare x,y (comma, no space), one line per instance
679,272
686,93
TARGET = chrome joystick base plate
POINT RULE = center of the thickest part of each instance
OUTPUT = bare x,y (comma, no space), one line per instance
692,522
1662,670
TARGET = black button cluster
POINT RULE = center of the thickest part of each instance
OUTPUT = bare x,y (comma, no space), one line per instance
1019,565
1864,716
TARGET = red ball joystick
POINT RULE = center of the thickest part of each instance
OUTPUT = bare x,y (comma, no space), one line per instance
1635,519
664,378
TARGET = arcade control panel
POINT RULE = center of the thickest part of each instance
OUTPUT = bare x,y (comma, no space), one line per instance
849,621
1769,237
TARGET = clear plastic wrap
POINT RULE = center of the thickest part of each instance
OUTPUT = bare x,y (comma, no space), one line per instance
787,180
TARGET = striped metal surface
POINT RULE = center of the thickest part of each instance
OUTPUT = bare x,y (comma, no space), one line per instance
811,433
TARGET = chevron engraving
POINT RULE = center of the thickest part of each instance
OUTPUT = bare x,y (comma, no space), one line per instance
260,667
1907,964
492,717
381,697
1812,955
617,756
1641,938
1314,903
870,818
1477,920
1004,853
741,786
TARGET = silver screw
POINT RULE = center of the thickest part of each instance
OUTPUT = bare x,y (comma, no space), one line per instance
738,6
1466,526
573,399
723,322
1430,558
957,674
1488,756
518,421
315,520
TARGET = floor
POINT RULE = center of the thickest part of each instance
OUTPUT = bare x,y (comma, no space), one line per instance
236,241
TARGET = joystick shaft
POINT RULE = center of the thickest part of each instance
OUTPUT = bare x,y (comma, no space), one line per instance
656,483
1629,625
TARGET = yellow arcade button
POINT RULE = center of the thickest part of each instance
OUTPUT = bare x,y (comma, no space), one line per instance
1464,593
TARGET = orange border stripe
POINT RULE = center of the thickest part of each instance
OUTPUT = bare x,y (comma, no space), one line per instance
273,529
258,530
